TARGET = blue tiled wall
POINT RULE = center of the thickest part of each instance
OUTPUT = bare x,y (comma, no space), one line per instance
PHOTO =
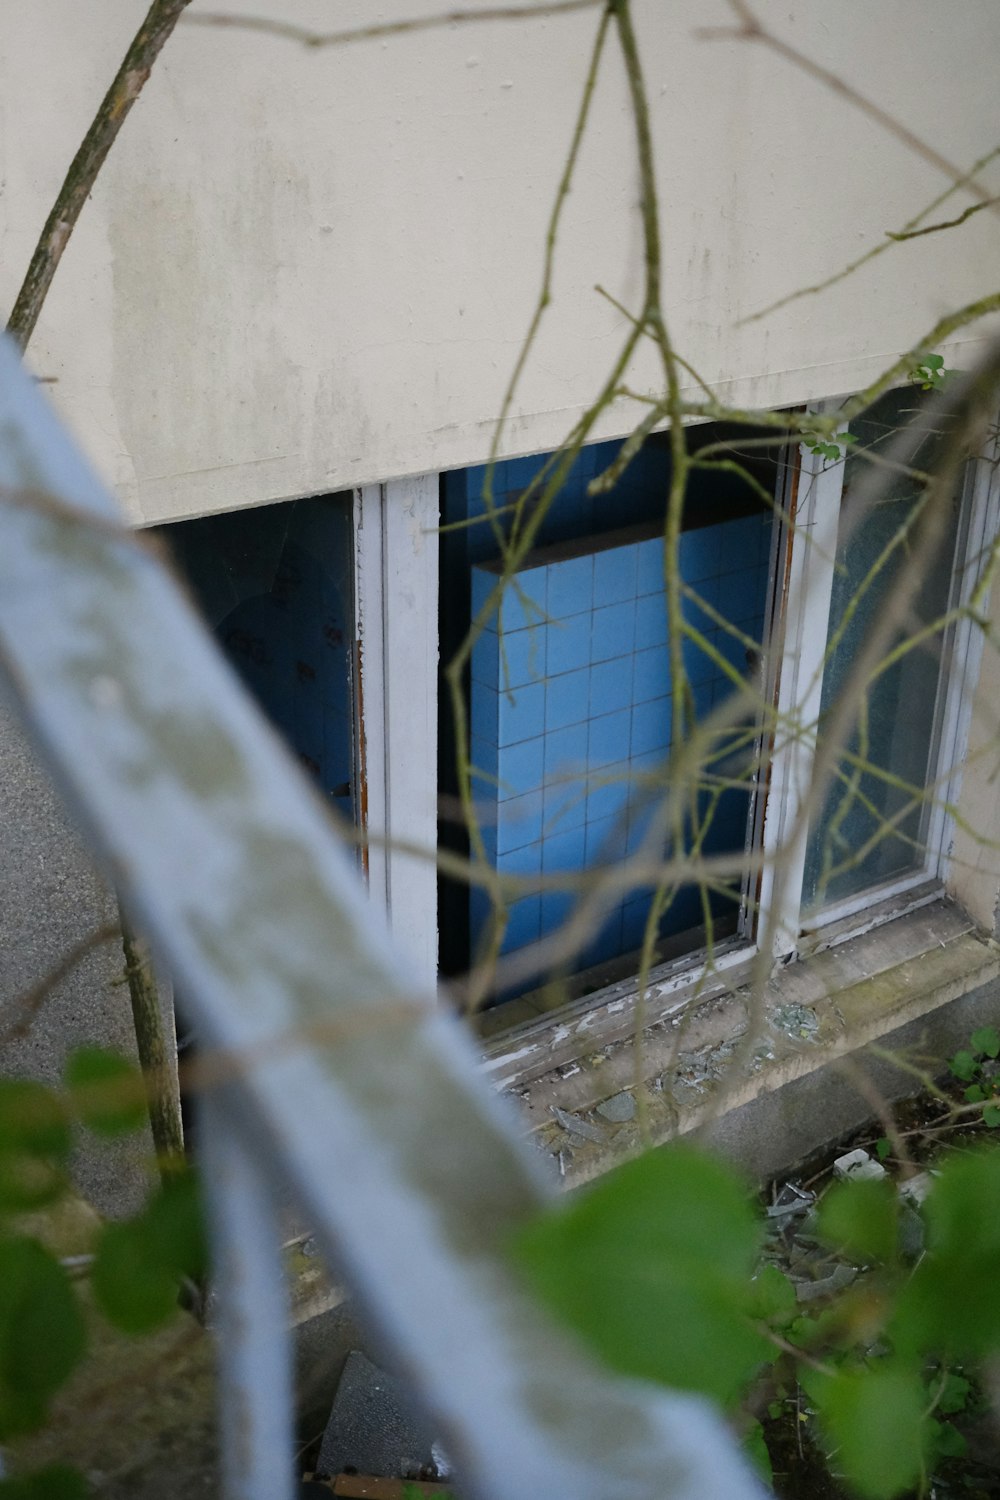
571,703
276,585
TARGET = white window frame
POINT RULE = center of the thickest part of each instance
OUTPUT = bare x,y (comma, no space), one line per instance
396,593
814,507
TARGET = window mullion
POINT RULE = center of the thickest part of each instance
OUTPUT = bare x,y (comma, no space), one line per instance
813,543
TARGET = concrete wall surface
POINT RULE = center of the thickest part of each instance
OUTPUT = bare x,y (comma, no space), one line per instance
51,898
303,269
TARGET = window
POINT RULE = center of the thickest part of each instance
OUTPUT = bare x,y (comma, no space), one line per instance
571,705
572,709
880,827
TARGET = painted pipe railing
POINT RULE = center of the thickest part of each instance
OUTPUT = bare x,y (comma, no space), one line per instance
324,1072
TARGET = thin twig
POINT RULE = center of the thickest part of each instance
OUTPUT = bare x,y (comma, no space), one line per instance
914,234
289,32
26,1007
161,18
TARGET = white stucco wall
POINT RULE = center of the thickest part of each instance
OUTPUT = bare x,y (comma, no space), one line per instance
302,270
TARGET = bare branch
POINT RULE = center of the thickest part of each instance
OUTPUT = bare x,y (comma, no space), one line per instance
161,18
289,32
914,234
874,250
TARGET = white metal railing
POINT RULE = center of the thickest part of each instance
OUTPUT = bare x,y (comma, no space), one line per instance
325,1072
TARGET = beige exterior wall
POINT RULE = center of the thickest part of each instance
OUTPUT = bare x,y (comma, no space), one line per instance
302,270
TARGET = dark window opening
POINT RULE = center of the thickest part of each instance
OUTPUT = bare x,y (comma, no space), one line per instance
571,717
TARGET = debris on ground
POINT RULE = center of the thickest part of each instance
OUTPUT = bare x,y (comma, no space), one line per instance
618,1109
858,1166
374,1430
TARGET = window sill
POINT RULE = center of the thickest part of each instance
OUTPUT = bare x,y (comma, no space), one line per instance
816,1010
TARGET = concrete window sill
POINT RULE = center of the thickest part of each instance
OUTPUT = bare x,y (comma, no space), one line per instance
768,1087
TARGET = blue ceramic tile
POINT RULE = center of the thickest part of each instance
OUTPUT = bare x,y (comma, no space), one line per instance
523,924
485,655
743,594
650,621
566,751
522,767
519,822
567,644
696,616
524,862
610,686
633,920
555,908
523,600
484,712
605,841
488,834
651,726
564,851
647,765
610,789
520,657
567,699
484,759
615,575
639,823
650,674
702,693
570,587
697,665
739,544
521,471
564,806
483,584
613,631
700,553
649,566
609,739
607,943
520,714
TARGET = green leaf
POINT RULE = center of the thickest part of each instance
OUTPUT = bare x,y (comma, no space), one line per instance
945,1440
955,1393
652,1267
991,1116
860,1218
963,1065
772,1298
951,1305
140,1264
107,1091
42,1334
34,1144
755,1448
934,361
883,1146
975,1093
873,1419
133,1286
54,1482
986,1041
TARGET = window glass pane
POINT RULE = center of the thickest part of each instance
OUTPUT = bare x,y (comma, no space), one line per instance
275,586
874,822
